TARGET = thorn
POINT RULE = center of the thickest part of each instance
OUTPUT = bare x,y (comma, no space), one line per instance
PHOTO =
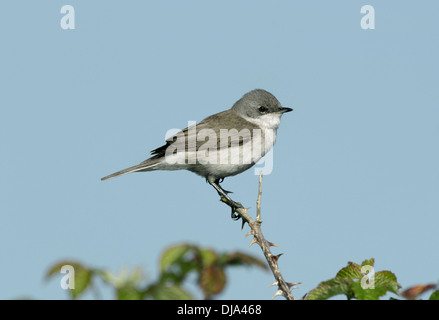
253,241
292,284
271,244
278,293
289,284
275,258
242,226
251,232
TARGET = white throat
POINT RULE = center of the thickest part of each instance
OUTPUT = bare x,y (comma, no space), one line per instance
266,121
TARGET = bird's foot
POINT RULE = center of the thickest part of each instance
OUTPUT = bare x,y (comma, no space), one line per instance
225,198
234,206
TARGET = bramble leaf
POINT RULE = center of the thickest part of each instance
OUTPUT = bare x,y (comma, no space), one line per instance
357,282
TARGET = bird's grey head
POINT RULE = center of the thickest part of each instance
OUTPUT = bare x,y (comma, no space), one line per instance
261,107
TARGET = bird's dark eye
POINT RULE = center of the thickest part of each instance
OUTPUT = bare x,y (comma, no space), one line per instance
263,109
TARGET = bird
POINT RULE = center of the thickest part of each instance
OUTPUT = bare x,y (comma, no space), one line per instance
222,145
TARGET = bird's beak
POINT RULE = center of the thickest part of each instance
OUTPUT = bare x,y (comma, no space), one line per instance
285,109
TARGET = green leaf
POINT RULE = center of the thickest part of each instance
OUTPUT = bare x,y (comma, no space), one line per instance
129,293
82,281
434,295
173,255
170,293
376,286
125,277
351,271
331,288
387,280
364,294
368,262
357,281
82,276
207,256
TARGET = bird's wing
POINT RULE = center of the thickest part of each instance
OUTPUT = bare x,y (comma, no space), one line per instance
222,126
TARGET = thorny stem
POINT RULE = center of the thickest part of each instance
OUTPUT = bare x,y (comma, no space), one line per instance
284,288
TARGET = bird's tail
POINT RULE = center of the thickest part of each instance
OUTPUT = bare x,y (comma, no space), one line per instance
147,165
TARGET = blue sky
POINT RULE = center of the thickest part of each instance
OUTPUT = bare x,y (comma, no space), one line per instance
356,165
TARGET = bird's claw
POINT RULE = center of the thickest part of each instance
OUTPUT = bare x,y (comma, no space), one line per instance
235,206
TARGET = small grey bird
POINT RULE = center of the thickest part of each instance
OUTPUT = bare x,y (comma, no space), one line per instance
222,145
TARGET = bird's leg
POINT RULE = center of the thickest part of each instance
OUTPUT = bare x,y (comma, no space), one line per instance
225,198
218,181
